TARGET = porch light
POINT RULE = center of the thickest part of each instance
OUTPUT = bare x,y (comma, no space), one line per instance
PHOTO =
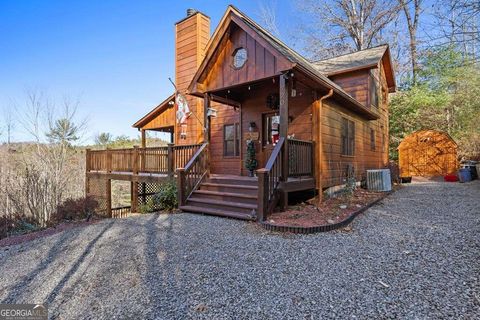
252,126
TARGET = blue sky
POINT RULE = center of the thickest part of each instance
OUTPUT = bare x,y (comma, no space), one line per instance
115,56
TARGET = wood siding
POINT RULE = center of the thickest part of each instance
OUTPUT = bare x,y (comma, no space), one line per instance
163,120
219,163
334,164
261,62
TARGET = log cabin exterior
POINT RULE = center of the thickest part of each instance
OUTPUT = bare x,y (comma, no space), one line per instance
309,121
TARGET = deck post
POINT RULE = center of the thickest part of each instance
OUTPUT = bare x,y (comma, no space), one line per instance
262,175
134,195
170,160
181,186
283,93
144,138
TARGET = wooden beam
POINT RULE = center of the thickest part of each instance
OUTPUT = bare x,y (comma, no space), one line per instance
226,101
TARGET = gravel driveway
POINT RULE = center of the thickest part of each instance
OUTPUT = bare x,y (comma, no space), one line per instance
416,255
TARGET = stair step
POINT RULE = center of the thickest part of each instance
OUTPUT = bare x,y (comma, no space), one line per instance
229,188
217,212
241,207
234,181
226,196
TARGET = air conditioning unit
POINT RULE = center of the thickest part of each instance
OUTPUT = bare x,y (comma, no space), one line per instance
379,180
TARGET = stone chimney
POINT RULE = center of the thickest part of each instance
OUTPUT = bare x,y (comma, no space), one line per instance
191,36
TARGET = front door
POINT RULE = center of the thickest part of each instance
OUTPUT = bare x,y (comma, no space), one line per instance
270,134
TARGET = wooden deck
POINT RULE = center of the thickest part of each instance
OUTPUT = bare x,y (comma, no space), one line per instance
200,191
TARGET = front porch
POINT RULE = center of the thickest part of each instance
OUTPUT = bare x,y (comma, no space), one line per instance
199,190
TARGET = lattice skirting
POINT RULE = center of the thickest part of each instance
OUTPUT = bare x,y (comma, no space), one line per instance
98,189
146,191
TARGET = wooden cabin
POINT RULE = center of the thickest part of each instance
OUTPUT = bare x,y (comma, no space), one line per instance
427,153
309,121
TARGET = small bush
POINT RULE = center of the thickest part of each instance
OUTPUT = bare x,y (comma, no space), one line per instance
166,198
147,207
74,209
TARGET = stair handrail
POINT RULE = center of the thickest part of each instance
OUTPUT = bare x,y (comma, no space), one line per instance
269,179
192,175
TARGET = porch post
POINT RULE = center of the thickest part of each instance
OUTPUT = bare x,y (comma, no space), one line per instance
144,138
170,160
283,93
206,121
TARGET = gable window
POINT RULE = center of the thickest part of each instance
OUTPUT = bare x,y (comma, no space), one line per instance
372,139
348,137
239,57
231,140
373,91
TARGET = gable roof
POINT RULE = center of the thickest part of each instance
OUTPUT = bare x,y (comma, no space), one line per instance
297,60
363,59
164,105
351,61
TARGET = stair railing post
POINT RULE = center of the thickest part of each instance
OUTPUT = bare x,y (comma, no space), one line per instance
181,186
170,160
263,191
135,160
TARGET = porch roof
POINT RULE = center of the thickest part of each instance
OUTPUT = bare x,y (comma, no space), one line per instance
164,105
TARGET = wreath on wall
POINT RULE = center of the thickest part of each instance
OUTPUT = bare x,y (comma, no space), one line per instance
273,101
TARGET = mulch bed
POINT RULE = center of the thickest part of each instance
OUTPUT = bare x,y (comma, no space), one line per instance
331,211
18,239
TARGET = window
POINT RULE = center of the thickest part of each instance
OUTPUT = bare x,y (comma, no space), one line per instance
372,139
373,94
271,128
231,140
348,137
239,57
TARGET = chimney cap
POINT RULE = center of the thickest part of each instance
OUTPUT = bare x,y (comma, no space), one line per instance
191,12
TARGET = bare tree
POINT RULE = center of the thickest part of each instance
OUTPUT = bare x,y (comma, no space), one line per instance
345,25
9,123
268,17
412,10
48,170
458,24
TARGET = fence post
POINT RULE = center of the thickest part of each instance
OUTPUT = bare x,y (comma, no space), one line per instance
262,175
170,160
181,186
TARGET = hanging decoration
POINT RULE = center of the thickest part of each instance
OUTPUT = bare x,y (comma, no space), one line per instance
183,113
273,101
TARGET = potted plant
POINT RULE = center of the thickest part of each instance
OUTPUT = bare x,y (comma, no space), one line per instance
250,161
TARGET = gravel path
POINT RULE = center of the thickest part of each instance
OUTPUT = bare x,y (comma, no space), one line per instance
414,256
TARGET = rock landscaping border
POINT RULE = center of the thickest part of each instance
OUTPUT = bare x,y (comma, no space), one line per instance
321,228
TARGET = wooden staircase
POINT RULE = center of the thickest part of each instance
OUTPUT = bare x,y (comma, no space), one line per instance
227,196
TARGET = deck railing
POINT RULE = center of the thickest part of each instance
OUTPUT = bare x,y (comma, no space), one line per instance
190,177
158,160
300,158
269,179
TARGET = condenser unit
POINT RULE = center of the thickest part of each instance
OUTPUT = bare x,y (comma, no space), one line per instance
379,180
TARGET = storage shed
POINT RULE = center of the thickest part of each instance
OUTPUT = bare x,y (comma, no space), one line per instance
427,153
